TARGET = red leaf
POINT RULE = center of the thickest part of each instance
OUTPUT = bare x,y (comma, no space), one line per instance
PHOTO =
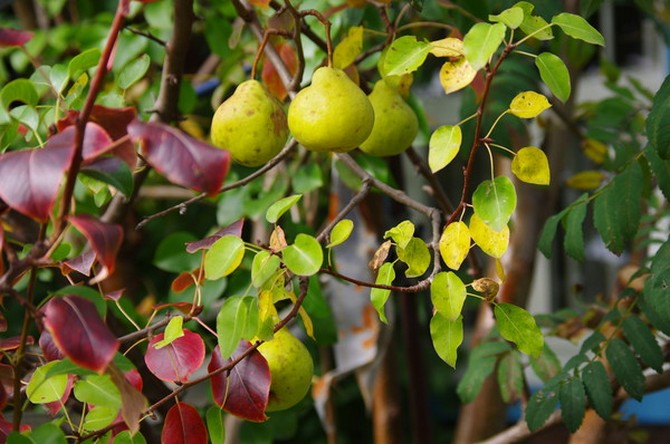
6,429
235,229
186,279
3,321
178,360
3,398
14,37
183,425
134,378
81,264
2,268
13,343
184,307
270,75
105,239
78,332
133,402
7,378
48,346
182,159
115,295
29,179
246,390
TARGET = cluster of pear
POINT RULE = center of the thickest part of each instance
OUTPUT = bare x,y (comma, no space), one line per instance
332,114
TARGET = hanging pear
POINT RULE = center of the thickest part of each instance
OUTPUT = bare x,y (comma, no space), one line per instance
396,124
251,125
332,114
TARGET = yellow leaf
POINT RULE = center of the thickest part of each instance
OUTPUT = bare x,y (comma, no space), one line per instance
531,165
401,83
585,180
494,243
266,306
594,150
349,48
455,244
306,320
456,74
449,47
528,104
500,270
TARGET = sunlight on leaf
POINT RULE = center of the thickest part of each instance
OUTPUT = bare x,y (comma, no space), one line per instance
444,144
447,47
405,55
401,233
277,209
511,17
41,390
340,232
224,256
172,331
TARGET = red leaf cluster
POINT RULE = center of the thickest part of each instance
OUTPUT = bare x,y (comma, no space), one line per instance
177,361
14,37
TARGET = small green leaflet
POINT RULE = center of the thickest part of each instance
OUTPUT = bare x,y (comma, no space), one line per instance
512,17
481,363
447,336
277,209
133,71
173,331
42,390
223,257
215,426
540,407
238,319
481,42
98,390
519,326
416,255
577,27
554,74
379,296
444,144
494,202
510,376
99,417
405,55
340,232
448,293
401,233
573,402
263,267
548,233
546,365
644,342
658,121
598,388
656,299
83,62
574,233
627,370
305,256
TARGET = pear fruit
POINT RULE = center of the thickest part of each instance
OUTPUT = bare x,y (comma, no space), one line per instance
396,124
291,369
332,114
251,125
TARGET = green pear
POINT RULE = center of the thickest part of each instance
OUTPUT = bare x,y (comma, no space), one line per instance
250,124
332,114
396,124
291,369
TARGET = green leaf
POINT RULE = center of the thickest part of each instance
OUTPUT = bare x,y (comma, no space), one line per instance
379,296
405,55
481,42
100,417
444,144
305,256
223,257
658,121
510,376
171,254
416,255
511,17
215,426
15,437
548,233
656,299
126,437
263,267
307,178
494,202
448,293
554,74
48,433
401,233
340,232
531,165
118,176
58,77
598,388
573,402
454,244
540,407
318,308
481,363
280,207
578,28
133,72
519,326
98,390
83,62
18,90
660,168
616,211
546,365
41,390
574,234
174,330
238,319
627,370
447,336
643,342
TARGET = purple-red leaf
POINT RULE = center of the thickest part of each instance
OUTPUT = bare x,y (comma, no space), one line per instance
6,428
133,402
49,348
182,159
183,425
178,360
81,264
115,295
105,239
14,37
3,320
234,229
245,391
29,179
10,344
79,332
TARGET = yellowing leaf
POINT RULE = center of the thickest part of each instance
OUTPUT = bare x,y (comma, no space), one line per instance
494,243
444,144
531,166
585,180
449,47
500,270
528,104
306,320
349,48
487,287
456,74
594,150
455,244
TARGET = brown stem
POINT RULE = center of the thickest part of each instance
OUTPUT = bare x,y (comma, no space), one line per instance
326,24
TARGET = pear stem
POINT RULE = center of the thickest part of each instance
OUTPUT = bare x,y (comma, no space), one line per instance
326,24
